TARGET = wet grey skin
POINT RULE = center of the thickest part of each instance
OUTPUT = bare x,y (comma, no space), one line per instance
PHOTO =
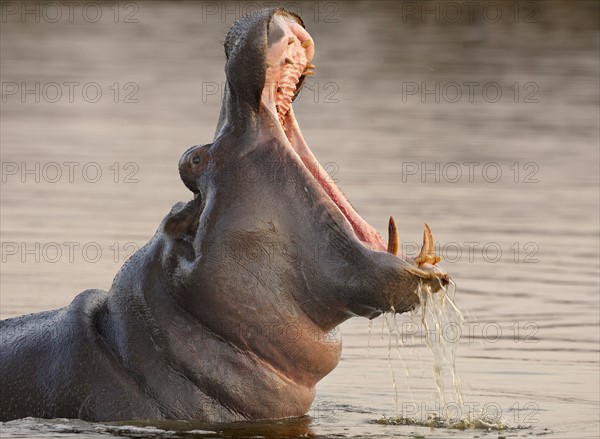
229,312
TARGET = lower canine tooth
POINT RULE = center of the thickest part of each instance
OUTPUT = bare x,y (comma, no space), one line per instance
393,238
427,255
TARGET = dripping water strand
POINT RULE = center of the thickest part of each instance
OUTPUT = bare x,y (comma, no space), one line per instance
439,313
385,324
369,337
399,347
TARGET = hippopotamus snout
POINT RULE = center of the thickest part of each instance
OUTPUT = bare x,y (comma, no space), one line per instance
393,284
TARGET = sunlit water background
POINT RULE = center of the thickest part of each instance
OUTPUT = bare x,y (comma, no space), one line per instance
532,350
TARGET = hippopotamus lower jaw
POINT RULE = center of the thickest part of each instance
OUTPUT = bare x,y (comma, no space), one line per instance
396,274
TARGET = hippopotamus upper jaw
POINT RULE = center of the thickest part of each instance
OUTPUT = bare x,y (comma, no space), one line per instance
257,47
292,201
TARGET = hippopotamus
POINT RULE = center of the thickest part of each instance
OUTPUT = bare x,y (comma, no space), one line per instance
229,312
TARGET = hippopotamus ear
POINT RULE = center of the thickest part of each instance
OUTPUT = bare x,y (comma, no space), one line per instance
192,164
182,222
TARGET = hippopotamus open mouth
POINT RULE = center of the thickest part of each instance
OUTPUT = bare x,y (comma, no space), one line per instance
226,314
269,56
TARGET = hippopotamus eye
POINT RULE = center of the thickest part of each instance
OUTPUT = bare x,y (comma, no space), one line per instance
196,160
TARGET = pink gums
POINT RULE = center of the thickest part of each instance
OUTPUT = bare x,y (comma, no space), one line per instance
287,60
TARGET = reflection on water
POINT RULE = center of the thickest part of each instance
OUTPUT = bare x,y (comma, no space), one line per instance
292,428
486,130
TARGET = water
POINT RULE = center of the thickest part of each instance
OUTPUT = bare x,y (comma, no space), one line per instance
528,349
441,322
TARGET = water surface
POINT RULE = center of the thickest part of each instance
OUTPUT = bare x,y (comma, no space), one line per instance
530,344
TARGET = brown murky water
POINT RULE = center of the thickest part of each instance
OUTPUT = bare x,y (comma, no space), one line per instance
406,113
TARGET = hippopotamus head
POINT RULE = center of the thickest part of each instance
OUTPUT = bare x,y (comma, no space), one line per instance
269,239
267,225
